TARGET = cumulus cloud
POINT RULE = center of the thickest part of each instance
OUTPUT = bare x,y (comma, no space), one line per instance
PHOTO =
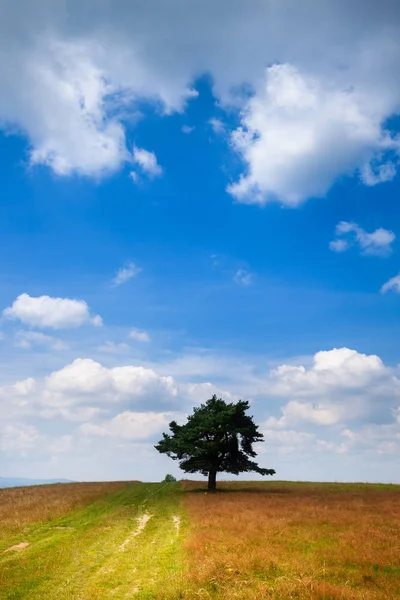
317,113
54,313
299,133
139,336
340,402
317,414
376,243
392,284
126,273
84,380
146,162
199,393
129,425
341,385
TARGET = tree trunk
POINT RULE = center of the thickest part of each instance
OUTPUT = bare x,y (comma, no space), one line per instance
212,481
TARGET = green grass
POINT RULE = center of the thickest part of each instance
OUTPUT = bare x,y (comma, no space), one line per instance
253,540
92,553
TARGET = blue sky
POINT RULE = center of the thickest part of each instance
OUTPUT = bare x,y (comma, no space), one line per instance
188,210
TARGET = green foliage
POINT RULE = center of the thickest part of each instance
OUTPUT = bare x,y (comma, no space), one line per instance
218,437
169,478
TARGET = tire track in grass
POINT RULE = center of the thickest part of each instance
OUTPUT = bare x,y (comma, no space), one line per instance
151,564
126,546
142,522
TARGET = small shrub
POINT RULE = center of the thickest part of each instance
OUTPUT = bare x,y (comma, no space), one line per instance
169,478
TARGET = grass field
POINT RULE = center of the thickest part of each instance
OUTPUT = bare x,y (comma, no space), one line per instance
250,540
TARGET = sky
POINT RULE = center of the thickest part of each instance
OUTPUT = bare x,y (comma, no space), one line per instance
199,198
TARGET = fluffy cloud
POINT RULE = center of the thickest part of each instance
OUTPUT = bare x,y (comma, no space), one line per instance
299,133
377,243
317,113
339,404
341,385
126,273
55,313
129,425
139,336
86,380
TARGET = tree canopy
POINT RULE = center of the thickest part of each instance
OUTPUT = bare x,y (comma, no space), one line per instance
218,437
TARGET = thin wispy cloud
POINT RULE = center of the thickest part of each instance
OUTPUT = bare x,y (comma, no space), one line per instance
33,339
392,285
187,129
243,277
139,336
124,274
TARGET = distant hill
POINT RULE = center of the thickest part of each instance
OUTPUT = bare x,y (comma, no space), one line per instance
6,482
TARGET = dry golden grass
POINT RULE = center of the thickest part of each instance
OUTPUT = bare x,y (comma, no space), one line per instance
283,540
23,506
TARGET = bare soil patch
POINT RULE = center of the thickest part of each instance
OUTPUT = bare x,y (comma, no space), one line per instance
17,547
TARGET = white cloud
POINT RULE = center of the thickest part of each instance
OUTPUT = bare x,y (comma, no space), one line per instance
85,380
243,277
318,414
126,273
392,284
317,114
382,173
339,406
199,393
341,385
376,243
299,133
139,336
18,437
129,425
73,413
30,339
55,313
217,126
339,245
147,163
71,131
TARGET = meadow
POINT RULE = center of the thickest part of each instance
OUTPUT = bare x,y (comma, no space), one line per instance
250,540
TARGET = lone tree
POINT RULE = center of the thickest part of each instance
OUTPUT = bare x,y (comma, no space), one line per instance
218,437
